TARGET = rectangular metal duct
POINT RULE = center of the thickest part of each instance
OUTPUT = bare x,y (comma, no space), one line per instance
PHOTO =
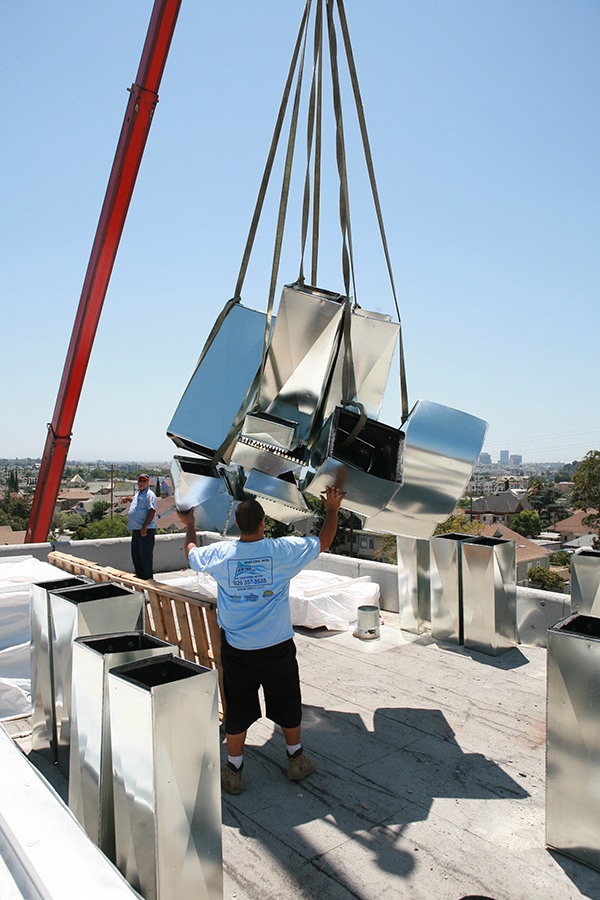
367,466
489,576
373,340
441,448
573,739
280,499
268,444
165,748
43,713
303,349
585,582
76,612
90,765
223,387
446,586
197,483
414,597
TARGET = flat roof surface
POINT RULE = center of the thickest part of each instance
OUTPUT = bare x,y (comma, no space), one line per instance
430,779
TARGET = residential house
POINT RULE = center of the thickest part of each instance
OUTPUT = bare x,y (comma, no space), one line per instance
573,527
498,507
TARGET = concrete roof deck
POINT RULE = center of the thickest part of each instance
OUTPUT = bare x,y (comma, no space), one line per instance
430,780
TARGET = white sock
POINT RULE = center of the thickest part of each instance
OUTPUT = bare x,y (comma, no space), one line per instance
292,748
235,760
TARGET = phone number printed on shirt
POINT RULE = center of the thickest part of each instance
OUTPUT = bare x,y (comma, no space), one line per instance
248,573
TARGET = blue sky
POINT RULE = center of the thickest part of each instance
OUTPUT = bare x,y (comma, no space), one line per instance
484,126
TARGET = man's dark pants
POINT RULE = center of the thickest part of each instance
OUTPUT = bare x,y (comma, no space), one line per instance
142,553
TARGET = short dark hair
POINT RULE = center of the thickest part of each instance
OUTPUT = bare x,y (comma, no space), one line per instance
248,516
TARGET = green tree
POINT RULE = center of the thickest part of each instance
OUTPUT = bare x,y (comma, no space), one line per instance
547,580
546,500
527,522
459,524
98,509
14,511
586,488
103,528
560,558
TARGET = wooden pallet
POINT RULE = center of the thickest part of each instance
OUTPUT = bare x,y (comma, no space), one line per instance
171,613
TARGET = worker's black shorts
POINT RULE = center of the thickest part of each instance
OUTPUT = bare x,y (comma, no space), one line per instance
245,671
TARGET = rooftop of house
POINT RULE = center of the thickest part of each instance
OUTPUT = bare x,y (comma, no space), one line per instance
430,780
525,549
501,503
574,524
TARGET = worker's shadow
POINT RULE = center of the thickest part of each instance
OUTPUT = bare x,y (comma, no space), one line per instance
369,785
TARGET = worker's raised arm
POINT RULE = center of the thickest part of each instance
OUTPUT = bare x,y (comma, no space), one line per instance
332,499
191,539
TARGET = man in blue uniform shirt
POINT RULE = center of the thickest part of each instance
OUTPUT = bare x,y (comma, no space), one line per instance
141,521
257,648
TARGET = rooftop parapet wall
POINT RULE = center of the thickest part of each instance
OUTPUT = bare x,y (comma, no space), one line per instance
536,610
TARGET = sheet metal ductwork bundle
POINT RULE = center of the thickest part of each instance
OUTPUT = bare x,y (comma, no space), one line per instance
284,423
281,405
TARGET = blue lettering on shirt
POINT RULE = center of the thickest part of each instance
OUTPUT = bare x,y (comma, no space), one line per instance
250,573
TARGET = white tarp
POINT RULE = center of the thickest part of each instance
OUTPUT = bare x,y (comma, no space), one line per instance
317,599
17,574
321,599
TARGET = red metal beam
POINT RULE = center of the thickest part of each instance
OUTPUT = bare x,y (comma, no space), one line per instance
132,141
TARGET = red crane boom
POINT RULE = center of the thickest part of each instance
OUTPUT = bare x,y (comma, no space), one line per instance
130,148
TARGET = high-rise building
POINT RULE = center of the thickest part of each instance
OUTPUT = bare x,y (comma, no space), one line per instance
504,455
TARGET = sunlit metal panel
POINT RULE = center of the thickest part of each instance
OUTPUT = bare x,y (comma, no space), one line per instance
90,763
414,599
280,499
367,465
373,340
585,582
43,721
223,387
489,586
441,448
76,612
165,748
446,586
303,348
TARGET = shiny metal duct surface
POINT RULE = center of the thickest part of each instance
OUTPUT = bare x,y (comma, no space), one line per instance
373,339
197,483
414,597
366,463
446,586
265,443
223,387
585,582
43,721
90,760
489,594
441,448
76,612
167,793
280,499
573,739
302,352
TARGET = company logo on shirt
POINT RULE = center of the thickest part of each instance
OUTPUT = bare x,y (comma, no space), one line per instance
250,573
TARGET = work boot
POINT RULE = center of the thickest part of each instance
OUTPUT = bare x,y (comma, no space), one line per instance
299,765
231,779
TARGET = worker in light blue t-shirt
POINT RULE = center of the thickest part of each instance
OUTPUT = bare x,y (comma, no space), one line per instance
141,521
257,648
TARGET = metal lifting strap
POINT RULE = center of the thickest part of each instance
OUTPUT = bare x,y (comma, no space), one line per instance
369,161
